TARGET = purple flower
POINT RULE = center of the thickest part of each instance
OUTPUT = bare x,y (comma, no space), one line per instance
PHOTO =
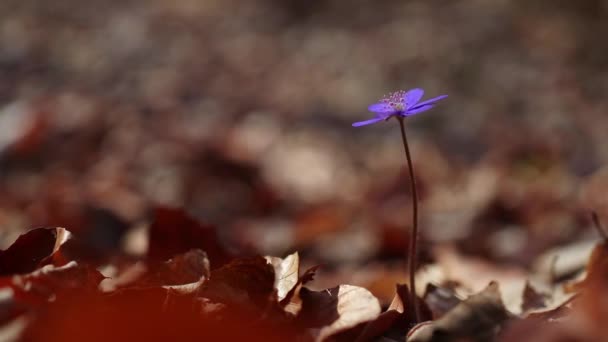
399,103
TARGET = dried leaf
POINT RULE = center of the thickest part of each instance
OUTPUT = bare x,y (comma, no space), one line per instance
440,299
594,292
153,314
52,279
186,268
292,303
27,253
561,263
174,232
475,319
532,299
20,294
397,320
475,273
285,273
394,316
338,309
34,291
120,278
246,282
537,330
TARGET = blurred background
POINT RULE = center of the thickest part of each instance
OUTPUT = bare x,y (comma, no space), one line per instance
241,111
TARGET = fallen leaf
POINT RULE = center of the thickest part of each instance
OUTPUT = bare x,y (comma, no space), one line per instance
292,303
440,299
563,262
477,318
285,273
593,302
174,232
532,299
29,250
393,322
31,292
186,268
247,282
474,274
338,309
153,314
119,278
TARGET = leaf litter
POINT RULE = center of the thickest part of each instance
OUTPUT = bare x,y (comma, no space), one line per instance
269,298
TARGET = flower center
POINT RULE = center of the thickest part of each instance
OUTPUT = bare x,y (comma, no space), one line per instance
395,100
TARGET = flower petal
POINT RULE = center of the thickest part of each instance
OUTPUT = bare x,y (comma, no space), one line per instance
418,109
412,97
430,101
381,108
367,122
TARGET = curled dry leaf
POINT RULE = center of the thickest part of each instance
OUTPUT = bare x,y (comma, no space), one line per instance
397,320
336,310
386,320
22,294
478,318
245,282
292,303
285,273
475,273
563,262
151,314
594,292
186,268
120,278
174,232
532,299
35,290
440,299
552,322
29,251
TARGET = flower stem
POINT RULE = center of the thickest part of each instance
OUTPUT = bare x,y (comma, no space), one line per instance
412,252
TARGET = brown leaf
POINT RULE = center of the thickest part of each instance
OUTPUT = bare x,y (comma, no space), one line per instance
475,273
122,277
28,252
440,299
553,323
397,320
537,330
532,299
247,282
186,268
338,309
174,232
388,319
292,303
285,273
564,262
475,319
33,291
152,314
594,292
